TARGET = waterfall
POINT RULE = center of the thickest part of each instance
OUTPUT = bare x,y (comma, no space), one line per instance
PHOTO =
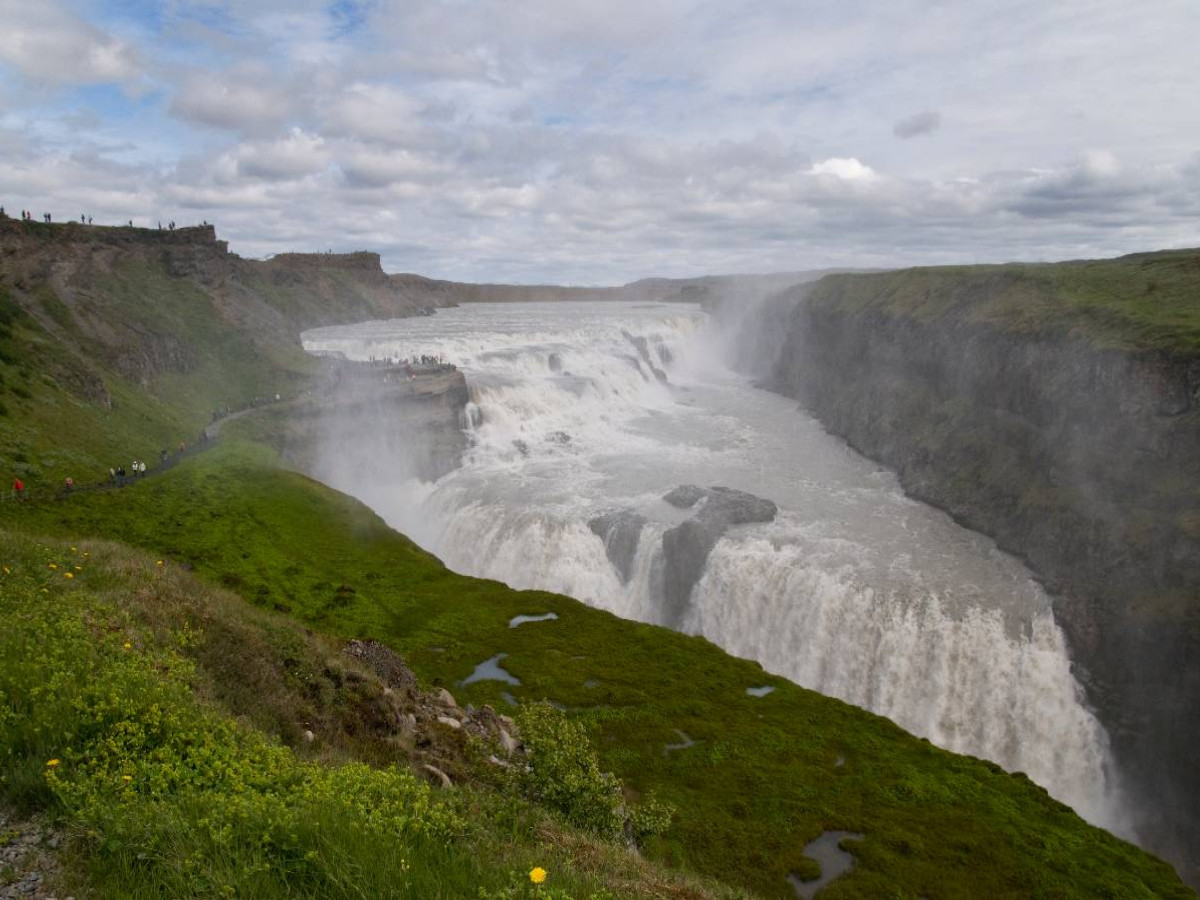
585,410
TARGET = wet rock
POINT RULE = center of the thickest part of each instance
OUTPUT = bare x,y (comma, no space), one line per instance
558,437
643,349
620,529
686,547
522,447
685,496
437,773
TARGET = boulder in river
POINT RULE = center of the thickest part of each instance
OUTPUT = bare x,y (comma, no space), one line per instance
686,546
620,529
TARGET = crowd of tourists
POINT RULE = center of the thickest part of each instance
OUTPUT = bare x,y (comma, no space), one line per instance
120,476
84,219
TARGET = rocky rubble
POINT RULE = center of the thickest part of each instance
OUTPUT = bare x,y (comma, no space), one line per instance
28,858
430,725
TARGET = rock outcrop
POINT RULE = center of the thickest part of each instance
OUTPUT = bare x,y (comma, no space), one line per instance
686,546
621,530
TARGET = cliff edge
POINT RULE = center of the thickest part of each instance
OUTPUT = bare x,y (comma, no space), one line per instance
1057,409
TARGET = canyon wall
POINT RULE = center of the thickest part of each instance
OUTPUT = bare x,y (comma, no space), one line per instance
1057,409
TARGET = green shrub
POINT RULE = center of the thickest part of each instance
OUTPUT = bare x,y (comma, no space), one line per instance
650,818
564,773
99,719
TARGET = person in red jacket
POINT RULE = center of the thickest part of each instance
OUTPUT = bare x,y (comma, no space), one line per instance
19,488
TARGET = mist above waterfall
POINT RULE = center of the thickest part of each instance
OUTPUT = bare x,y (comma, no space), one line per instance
594,412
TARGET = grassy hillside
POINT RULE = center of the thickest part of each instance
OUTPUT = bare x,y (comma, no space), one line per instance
764,775
144,706
116,343
1148,301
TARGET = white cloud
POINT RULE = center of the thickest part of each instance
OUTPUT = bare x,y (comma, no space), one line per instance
48,44
243,99
583,141
846,169
295,156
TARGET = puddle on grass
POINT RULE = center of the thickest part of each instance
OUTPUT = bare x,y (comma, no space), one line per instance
509,698
489,670
685,742
760,691
521,620
833,860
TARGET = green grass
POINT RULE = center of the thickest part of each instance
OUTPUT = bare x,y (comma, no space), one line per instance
761,780
53,385
173,783
1143,302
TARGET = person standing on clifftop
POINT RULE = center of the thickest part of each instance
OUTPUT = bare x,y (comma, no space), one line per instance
19,488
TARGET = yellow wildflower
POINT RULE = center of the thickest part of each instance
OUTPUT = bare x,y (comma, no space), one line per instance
128,646
72,549
127,778
7,570
160,562
538,875
52,764
69,574
54,565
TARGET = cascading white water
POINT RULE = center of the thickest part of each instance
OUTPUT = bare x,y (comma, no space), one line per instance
855,590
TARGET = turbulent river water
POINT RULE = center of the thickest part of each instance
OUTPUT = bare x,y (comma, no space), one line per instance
854,590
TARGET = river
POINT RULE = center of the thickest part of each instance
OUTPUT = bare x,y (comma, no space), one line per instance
855,590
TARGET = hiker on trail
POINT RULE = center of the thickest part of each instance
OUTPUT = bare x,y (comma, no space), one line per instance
112,475
142,468
89,220
162,456
182,447
120,476
19,488
70,483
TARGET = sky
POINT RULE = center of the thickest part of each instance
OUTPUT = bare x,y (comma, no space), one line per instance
599,141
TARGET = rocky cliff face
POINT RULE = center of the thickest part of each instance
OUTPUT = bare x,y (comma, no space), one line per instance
373,425
1082,459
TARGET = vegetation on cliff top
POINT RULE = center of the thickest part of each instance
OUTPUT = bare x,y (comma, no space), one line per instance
1142,302
763,777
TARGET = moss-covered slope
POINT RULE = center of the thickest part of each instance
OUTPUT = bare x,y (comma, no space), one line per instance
764,775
